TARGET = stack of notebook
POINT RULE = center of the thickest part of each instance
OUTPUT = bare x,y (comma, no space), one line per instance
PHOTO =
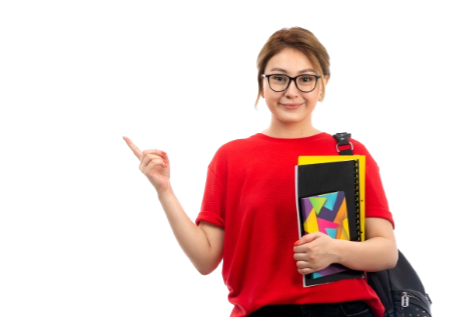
330,199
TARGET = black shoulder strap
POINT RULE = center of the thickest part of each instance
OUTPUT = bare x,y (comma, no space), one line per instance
343,146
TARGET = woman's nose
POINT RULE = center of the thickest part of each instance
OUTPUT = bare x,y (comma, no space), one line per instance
292,90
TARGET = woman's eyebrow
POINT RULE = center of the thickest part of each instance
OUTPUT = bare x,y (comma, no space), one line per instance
300,72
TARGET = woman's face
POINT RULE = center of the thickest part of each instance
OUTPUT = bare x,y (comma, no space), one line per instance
291,105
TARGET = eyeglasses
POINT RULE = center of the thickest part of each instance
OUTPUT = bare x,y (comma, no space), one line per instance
280,82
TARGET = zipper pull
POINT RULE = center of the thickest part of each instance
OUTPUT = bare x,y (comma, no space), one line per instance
404,299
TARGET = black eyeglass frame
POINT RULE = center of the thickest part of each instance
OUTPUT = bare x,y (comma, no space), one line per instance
290,80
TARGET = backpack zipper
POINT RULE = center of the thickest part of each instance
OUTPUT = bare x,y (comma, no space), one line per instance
405,296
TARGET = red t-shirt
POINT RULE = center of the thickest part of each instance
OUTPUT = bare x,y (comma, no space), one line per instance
250,192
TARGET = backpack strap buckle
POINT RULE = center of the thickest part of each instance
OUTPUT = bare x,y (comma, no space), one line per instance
342,140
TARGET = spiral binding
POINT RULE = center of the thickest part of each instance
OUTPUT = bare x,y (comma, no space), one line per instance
357,200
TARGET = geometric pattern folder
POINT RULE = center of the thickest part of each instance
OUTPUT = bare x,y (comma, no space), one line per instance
326,213
330,199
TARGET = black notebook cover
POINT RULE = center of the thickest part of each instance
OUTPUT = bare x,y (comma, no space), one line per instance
327,178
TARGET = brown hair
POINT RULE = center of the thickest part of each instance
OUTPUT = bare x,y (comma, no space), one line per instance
299,39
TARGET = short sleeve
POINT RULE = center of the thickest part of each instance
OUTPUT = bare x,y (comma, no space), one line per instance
376,203
213,203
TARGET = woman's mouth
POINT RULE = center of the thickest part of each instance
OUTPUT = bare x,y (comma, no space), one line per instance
291,105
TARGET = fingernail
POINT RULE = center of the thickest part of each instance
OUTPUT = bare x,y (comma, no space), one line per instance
297,242
164,153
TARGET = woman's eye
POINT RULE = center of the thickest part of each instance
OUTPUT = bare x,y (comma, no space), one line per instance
278,78
306,79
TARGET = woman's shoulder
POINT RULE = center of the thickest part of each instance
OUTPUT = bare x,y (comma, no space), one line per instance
234,147
239,144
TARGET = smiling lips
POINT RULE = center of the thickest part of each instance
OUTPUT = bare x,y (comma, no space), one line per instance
291,105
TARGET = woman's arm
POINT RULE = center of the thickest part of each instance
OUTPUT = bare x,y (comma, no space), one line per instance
201,245
378,252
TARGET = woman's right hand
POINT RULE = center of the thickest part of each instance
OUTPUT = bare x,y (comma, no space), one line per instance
154,164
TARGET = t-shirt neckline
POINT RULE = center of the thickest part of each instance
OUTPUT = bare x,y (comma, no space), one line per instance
307,138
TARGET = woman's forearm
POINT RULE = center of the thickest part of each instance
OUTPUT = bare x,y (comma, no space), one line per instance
204,254
372,255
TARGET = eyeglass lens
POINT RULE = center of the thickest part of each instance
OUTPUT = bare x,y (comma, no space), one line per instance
281,82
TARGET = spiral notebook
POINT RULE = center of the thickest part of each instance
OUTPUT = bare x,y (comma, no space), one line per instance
330,199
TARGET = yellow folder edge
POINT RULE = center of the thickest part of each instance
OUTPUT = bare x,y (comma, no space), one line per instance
305,160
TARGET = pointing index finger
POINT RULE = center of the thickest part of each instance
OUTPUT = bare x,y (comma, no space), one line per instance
133,147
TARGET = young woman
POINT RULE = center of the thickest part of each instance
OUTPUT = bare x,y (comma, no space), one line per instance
248,217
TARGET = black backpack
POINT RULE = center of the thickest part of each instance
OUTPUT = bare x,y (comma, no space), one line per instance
400,289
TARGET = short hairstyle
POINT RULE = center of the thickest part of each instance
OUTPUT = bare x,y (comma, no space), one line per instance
297,38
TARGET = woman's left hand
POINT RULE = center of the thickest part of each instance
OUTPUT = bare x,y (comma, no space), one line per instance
314,252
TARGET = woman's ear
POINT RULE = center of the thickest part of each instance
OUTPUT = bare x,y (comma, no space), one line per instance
323,92
262,94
